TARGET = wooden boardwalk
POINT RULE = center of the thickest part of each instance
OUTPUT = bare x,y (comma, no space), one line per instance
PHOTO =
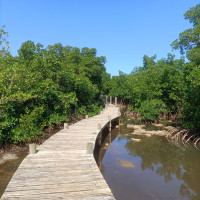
62,168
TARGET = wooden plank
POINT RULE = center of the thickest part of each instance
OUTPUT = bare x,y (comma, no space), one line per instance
62,169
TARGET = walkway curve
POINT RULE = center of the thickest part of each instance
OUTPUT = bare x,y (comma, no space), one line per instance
62,168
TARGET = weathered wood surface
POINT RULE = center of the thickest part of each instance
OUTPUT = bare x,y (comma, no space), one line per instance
62,168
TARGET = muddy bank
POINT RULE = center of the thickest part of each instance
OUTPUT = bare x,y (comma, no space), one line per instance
170,132
11,155
171,126
9,163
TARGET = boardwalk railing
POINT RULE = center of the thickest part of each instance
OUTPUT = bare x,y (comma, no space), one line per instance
111,100
64,166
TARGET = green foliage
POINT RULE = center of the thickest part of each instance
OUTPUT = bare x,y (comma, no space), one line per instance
4,44
189,42
189,39
30,125
167,86
119,87
155,84
90,110
151,109
193,15
44,86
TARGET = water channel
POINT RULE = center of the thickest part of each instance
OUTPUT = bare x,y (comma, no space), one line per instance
152,169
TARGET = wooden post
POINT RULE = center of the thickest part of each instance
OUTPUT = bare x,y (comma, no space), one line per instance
86,116
109,137
90,147
106,100
32,148
110,99
115,101
119,113
99,126
109,124
66,125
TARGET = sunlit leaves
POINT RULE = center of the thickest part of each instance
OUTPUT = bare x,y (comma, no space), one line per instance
190,39
153,89
4,43
42,87
193,15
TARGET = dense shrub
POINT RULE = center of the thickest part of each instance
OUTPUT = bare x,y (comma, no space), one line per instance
44,86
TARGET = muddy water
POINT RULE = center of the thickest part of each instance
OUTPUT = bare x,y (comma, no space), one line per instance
152,169
9,162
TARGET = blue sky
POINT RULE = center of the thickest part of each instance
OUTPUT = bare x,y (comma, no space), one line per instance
122,30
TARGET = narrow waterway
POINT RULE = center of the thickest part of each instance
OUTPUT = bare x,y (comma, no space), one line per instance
153,168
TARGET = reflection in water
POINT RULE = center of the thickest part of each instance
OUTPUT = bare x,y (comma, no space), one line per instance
161,169
106,145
